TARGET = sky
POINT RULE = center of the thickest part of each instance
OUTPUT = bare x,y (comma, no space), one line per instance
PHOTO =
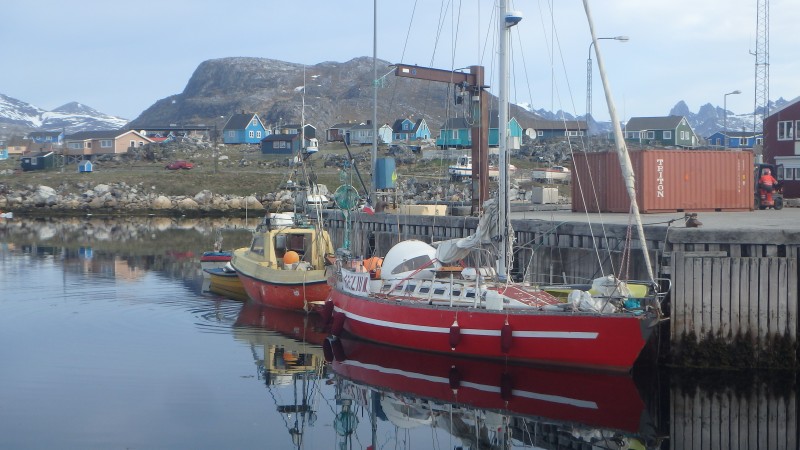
120,57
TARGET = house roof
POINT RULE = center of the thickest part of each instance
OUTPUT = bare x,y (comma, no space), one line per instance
455,123
342,126
397,126
791,103
362,126
101,134
653,123
281,137
239,121
543,124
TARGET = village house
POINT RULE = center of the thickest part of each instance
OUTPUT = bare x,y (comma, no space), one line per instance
668,131
782,145
244,128
105,142
407,130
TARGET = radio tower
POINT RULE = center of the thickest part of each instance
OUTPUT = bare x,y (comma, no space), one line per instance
761,109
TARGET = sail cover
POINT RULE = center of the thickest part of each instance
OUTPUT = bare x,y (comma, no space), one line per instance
454,250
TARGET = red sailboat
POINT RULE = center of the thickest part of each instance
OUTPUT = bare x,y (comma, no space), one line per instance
425,299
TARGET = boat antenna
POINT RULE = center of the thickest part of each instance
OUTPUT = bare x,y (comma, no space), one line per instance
374,153
622,149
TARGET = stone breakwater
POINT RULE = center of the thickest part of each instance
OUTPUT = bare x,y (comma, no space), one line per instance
120,198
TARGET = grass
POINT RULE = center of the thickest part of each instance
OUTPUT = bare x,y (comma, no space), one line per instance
243,171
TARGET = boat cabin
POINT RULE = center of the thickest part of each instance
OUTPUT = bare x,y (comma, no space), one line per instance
286,248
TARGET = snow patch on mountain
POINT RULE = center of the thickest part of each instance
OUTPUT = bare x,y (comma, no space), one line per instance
72,117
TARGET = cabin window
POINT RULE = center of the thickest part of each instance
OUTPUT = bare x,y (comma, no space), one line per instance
411,287
456,293
668,134
785,130
297,242
386,287
424,290
412,264
257,246
470,293
438,291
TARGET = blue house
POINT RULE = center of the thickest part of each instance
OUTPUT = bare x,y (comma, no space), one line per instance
406,130
46,137
244,128
456,133
738,140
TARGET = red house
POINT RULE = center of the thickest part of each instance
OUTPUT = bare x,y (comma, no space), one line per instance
782,145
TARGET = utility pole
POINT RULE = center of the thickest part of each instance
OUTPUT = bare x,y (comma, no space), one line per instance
471,82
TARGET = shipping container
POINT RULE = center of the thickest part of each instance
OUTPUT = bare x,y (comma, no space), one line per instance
666,181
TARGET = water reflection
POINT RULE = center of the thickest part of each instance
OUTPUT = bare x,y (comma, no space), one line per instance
493,405
286,351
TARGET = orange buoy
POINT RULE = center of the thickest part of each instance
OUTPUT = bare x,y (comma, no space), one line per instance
290,257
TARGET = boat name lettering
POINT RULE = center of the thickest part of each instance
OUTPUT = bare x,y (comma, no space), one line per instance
355,282
660,178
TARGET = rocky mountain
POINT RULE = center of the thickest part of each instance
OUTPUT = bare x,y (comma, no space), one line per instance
334,93
19,117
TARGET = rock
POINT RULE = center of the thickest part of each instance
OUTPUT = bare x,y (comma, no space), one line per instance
251,202
161,202
188,204
44,196
203,197
101,189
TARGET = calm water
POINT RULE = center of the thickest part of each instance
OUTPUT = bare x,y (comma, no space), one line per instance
110,340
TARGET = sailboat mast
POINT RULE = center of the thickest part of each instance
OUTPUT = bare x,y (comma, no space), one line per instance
622,149
374,97
506,21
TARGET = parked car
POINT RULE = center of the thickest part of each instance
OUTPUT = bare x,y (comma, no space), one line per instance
180,164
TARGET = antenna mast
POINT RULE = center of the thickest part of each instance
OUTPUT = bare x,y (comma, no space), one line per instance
761,109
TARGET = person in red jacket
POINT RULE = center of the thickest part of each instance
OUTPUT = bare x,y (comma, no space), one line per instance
766,184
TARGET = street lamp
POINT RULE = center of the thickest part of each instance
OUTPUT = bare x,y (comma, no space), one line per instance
589,73
725,139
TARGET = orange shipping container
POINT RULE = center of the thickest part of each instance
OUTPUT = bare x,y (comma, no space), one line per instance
666,181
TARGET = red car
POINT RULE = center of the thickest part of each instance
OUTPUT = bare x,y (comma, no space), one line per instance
180,165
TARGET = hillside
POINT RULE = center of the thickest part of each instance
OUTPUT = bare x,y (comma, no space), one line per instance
335,92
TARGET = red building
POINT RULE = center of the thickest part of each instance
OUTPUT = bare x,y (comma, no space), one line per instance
782,145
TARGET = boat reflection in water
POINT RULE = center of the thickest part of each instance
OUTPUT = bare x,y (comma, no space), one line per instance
286,350
491,404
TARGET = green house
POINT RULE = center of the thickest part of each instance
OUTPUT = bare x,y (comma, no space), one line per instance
669,131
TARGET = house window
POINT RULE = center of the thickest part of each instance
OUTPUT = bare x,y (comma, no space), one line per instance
88,145
454,134
667,134
634,134
255,122
75,145
759,141
785,130
133,144
539,133
651,135
258,134
106,143
231,134
742,142
252,133
797,128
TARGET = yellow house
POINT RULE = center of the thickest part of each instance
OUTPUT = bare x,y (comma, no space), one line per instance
18,146
104,142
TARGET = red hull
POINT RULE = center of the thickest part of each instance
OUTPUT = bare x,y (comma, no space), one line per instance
599,400
299,296
609,341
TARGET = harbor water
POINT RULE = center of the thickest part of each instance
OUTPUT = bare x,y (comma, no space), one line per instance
111,339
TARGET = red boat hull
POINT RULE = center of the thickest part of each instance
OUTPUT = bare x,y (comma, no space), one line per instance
303,296
593,399
608,341
294,324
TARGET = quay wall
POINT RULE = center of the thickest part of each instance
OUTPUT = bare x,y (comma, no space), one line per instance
734,297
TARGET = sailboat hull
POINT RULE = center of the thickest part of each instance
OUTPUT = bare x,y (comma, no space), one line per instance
604,341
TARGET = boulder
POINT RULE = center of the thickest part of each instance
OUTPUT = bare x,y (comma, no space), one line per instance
250,202
188,204
161,202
